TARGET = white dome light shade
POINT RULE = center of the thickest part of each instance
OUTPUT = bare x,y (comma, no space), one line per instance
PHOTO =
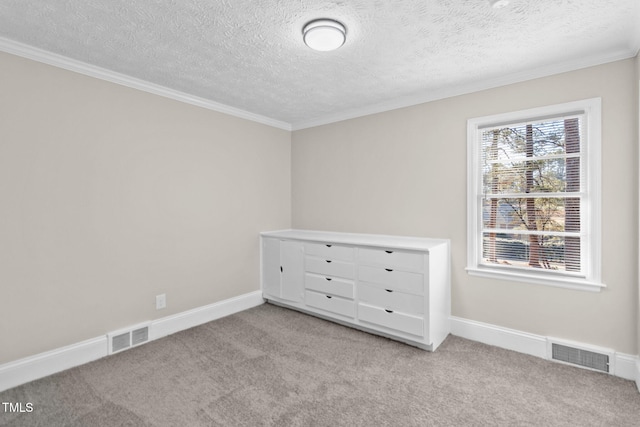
498,4
324,34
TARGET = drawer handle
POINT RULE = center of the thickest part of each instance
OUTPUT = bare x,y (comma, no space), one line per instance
389,269
328,296
388,311
328,279
328,246
389,252
389,290
328,260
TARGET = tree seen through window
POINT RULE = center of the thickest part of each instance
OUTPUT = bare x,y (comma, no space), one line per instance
531,186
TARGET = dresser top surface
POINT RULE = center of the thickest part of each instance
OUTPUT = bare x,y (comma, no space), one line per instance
358,239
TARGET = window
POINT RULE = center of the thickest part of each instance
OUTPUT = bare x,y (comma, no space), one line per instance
534,195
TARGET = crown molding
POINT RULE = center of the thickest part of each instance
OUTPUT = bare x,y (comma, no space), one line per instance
634,43
60,61
448,92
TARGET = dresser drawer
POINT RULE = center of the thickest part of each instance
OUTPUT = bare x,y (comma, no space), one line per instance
392,279
390,258
329,267
330,251
329,285
395,320
388,298
331,303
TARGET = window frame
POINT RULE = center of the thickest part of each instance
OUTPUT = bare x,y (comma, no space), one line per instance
591,146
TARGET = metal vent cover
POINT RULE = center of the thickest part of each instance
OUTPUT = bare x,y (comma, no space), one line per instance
580,357
127,338
139,336
120,342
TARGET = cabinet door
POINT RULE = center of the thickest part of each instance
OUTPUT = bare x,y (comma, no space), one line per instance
271,267
292,263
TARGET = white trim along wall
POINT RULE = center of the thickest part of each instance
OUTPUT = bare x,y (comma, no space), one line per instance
45,57
31,368
621,365
41,365
638,236
35,54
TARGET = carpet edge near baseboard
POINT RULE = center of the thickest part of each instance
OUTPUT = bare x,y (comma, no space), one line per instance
30,368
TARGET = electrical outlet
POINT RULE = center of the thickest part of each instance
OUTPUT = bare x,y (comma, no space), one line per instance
161,301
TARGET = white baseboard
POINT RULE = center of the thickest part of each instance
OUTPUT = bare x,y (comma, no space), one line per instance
22,371
31,368
511,339
188,319
624,365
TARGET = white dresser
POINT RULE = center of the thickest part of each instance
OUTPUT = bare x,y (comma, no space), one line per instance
394,286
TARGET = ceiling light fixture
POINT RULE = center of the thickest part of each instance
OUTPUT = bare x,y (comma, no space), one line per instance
498,4
324,34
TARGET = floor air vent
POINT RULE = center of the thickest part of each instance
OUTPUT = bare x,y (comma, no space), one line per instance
127,338
580,357
139,336
120,342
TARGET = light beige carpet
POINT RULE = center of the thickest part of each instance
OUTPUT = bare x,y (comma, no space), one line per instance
272,366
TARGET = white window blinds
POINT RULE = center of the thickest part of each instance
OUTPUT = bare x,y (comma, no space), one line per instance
532,194
533,211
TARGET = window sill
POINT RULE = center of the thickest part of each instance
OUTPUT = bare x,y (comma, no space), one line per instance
559,282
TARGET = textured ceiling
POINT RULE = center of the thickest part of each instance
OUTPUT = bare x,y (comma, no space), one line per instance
249,54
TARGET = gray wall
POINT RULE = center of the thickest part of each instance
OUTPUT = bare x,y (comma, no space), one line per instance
404,172
110,196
